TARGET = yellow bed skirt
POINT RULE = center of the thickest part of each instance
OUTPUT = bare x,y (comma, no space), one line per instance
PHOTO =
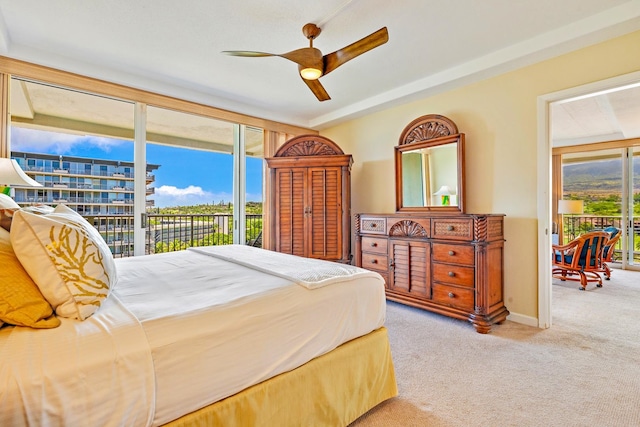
331,390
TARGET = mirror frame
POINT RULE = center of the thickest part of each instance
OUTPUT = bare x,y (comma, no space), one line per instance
428,131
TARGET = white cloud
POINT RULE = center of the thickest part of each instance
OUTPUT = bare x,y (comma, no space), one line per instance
169,195
172,191
32,140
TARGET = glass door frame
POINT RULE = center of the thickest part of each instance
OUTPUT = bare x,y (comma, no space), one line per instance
628,216
626,149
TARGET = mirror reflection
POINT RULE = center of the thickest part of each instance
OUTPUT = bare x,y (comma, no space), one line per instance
430,176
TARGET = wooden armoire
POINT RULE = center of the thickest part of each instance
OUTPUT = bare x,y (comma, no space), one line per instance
310,199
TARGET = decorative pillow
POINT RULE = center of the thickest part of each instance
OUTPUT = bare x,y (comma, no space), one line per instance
7,207
5,236
7,202
21,303
66,257
6,214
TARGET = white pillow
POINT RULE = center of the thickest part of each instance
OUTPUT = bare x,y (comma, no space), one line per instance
7,202
66,257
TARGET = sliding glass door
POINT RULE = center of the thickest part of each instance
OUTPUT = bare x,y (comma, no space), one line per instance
150,179
608,183
632,201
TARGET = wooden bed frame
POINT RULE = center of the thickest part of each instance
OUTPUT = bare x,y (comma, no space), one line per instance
334,389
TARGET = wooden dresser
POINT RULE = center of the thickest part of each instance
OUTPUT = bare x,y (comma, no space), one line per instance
450,264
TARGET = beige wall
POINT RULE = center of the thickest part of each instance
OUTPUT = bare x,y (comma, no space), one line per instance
499,118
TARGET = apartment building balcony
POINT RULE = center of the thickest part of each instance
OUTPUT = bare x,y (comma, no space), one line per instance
150,178
60,185
151,190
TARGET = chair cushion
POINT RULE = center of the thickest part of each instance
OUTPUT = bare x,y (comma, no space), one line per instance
613,231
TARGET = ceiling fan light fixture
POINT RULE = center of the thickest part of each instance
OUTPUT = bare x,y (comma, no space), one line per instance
310,73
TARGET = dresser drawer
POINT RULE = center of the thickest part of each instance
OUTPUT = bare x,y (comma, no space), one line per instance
375,245
452,228
453,274
373,225
453,296
377,262
456,254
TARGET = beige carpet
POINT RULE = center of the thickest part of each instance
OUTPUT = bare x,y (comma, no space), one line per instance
583,371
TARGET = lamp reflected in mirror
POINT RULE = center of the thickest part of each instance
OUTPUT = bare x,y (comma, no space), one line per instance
445,194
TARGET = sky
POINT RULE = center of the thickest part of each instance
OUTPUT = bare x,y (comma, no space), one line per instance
185,177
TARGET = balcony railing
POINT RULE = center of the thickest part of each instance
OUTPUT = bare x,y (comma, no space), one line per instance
167,233
575,225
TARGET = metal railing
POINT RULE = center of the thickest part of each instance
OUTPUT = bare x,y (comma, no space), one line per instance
168,233
575,225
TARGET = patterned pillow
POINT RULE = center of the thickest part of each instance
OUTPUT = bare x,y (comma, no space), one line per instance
21,303
66,257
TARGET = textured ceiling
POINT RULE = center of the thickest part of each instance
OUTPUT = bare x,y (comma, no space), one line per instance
174,47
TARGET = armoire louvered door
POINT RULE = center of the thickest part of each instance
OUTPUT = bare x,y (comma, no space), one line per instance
324,213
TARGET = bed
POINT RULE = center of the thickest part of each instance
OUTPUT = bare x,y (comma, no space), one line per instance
231,335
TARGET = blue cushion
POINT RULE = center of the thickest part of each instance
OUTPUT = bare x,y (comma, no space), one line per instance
613,231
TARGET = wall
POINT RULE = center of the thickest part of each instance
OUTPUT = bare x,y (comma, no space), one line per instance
499,118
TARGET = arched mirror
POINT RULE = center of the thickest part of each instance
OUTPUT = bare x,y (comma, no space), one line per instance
430,166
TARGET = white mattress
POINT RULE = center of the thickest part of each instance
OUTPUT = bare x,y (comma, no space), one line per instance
96,372
179,331
219,328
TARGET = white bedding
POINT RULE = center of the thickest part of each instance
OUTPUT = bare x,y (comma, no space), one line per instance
96,372
213,328
307,272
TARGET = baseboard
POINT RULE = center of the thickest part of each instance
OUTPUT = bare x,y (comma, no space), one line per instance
521,318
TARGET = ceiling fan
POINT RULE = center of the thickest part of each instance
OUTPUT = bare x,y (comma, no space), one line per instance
312,64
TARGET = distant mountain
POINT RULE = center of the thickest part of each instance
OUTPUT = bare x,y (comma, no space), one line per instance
604,176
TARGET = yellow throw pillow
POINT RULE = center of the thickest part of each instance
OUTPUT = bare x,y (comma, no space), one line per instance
66,257
21,303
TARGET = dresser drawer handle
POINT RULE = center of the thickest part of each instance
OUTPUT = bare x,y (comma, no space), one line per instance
452,274
374,244
452,295
374,261
450,228
374,225
452,253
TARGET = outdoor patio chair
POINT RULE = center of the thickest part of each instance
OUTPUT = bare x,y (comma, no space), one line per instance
581,259
609,249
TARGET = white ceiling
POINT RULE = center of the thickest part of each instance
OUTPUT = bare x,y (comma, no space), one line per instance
173,47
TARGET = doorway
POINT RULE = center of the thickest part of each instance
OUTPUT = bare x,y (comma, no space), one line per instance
545,182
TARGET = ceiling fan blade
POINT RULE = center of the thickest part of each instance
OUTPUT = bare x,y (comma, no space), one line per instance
317,89
335,59
247,53
307,57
